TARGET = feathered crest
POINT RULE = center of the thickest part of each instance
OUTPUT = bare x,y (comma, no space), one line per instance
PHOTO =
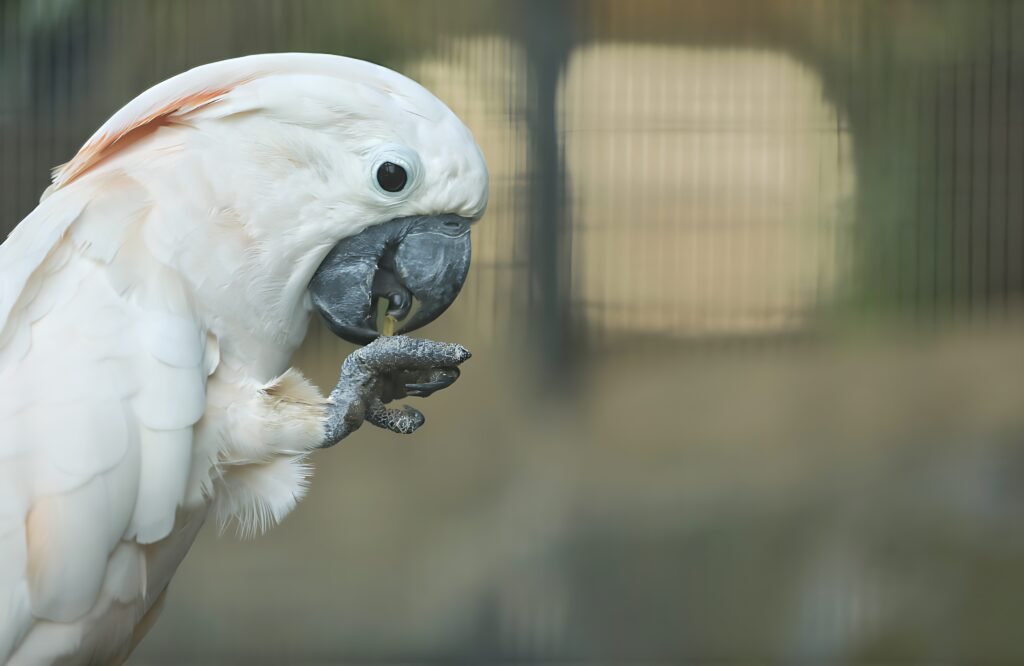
119,132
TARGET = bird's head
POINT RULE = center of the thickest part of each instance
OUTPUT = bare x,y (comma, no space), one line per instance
351,184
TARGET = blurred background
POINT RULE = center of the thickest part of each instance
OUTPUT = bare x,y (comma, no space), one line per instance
746,320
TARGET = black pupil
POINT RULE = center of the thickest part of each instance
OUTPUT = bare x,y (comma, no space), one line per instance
391,177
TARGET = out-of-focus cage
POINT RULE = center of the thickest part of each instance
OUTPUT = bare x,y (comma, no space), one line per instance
744,311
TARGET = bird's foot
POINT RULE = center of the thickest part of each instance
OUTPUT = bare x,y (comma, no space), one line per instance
389,368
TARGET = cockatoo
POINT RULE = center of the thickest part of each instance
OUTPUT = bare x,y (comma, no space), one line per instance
150,305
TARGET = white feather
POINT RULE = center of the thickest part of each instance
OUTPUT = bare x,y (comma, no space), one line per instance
149,307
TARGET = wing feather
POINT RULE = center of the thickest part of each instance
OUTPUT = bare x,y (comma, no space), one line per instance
95,426
166,457
65,588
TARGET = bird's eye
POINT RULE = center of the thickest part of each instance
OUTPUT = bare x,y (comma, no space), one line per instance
391,177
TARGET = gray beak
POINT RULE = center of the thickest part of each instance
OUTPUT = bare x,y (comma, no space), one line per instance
421,258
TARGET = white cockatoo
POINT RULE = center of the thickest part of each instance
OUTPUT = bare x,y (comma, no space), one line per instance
151,303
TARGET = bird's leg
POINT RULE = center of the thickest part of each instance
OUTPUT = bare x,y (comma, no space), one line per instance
385,369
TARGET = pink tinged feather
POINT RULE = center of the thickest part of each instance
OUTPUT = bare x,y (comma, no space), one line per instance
134,122
67,555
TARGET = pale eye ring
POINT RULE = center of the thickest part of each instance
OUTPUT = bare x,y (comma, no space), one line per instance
395,171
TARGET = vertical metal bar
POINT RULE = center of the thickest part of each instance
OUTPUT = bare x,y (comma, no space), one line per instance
990,155
1008,120
546,36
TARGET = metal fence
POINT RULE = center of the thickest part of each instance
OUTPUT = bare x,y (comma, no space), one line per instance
695,207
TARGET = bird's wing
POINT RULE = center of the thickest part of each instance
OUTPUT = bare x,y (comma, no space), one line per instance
102,377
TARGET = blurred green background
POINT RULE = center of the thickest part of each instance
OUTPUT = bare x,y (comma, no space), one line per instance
746,321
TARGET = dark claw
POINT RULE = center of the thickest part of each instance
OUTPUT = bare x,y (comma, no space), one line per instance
424,389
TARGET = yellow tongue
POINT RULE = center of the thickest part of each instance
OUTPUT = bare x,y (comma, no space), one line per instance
385,322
